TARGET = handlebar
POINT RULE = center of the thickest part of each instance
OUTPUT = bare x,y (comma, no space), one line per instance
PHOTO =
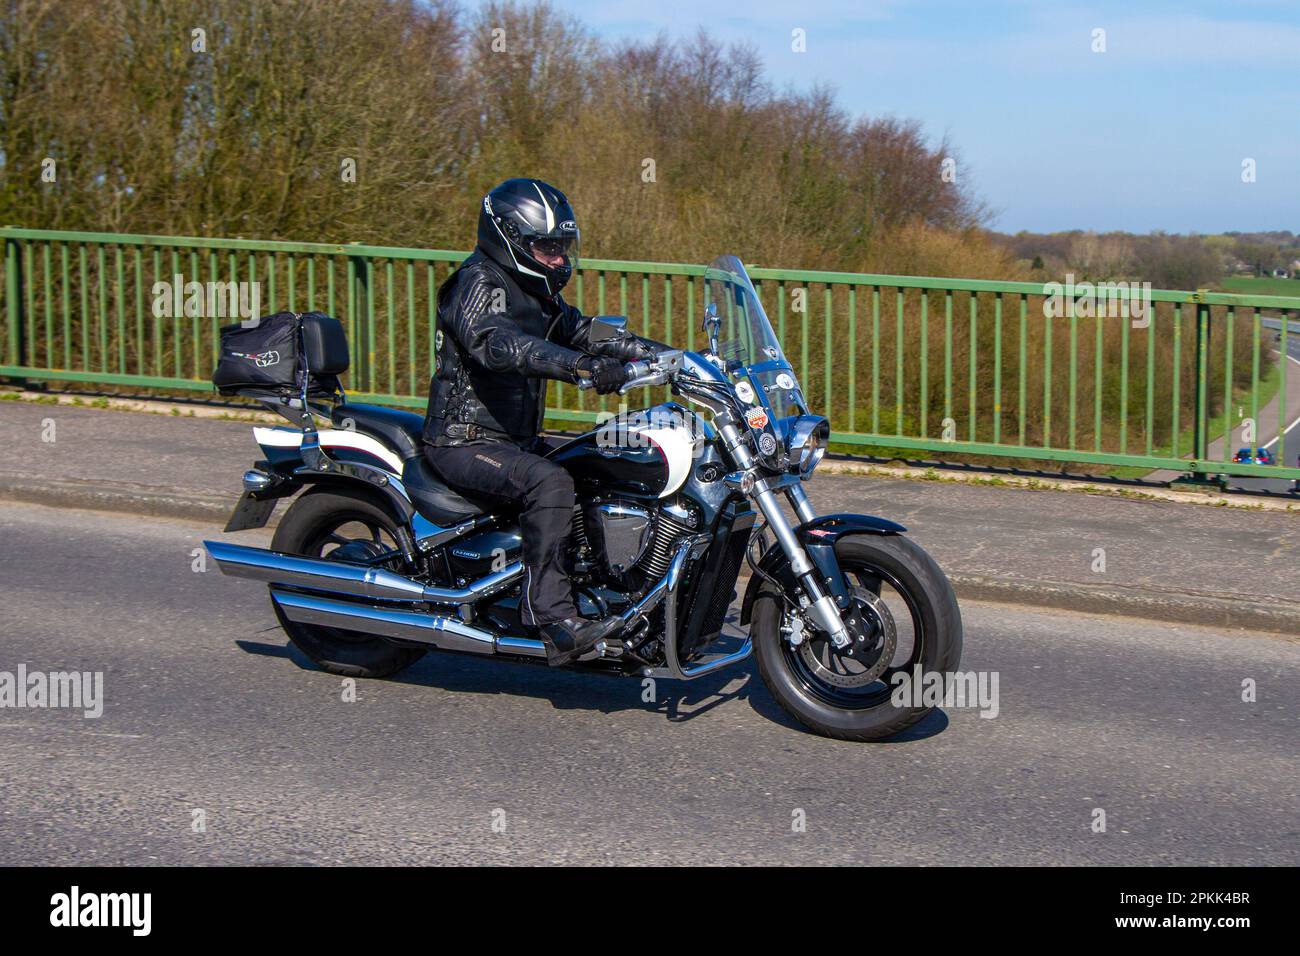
655,371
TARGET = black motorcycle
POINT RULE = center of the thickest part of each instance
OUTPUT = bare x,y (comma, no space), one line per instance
377,561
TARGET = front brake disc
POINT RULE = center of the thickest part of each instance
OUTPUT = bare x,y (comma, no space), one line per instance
840,670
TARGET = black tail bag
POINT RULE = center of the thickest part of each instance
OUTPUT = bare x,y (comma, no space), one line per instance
279,353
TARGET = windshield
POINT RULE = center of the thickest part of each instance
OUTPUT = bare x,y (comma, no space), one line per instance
747,346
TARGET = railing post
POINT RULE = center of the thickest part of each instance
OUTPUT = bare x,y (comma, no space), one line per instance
1200,446
14,292
358,303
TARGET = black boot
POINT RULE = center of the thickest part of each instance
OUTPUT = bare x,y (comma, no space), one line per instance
570,639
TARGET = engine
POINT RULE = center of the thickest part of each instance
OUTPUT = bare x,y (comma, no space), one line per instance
627,543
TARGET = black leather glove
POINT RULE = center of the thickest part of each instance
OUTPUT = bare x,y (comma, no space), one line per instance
628,348
606,374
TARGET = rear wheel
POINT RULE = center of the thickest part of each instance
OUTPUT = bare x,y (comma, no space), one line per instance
912,621
341,526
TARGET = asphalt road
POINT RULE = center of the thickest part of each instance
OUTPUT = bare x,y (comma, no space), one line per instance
1291,429
1270,422
206,709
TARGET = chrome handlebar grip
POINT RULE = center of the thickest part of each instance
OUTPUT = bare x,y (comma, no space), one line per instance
642,373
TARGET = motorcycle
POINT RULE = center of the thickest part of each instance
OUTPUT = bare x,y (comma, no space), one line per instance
377,561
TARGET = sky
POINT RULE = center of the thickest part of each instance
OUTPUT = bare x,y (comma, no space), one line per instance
1150,134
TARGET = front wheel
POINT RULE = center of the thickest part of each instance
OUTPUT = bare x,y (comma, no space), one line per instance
910,618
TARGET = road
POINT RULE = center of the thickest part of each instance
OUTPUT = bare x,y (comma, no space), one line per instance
1291,429
1268,426
207,709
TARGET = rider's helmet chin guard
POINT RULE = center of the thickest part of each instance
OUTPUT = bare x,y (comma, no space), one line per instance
528,228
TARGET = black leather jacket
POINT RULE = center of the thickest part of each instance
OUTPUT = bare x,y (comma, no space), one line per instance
496,347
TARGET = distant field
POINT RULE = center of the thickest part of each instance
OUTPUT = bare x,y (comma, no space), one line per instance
1250,285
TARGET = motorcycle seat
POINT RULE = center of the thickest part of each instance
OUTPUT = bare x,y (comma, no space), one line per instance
401,431
432,498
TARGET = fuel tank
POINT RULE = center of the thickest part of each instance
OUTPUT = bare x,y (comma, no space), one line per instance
645,452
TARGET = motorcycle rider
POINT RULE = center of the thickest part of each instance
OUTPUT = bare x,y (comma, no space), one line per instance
502,331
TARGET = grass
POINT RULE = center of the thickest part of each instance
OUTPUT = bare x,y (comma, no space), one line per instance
1261,285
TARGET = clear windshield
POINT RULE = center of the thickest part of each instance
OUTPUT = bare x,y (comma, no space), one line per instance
747,345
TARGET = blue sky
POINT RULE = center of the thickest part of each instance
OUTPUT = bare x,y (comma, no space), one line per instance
1150,134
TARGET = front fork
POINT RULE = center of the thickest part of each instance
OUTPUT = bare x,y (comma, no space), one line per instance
799,501
822,608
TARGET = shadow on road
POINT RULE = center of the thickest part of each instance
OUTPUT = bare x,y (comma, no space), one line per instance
678,701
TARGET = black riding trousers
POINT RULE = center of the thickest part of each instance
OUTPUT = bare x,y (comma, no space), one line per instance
502,475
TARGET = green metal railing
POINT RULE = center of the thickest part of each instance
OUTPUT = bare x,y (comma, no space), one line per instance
946,366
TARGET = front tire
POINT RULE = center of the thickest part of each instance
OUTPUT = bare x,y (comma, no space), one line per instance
819,691
319,524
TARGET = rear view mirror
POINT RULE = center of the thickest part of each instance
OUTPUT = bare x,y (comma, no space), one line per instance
606,327
711,325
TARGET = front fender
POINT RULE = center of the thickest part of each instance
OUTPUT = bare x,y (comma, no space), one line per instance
837,525
818,537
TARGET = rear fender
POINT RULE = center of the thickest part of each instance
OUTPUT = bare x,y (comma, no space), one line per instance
283,445
818,538
353,460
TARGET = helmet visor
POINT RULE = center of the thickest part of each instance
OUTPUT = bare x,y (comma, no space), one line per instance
554,252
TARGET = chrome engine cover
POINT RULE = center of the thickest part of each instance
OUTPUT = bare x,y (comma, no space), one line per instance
619,533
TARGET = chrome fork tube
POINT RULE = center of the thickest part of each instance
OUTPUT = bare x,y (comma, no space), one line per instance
821,606
799,501
770,505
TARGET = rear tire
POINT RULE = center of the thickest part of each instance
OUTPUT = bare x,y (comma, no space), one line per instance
873,715
317,520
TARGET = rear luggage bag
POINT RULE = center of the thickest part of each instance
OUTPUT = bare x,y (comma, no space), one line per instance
282,353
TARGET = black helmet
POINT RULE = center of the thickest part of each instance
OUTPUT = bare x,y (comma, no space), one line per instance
529,228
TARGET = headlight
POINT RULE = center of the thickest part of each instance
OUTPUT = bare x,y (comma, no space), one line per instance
806,438
811,456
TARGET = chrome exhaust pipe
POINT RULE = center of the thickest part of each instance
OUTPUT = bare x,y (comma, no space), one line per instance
446,633
259,564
